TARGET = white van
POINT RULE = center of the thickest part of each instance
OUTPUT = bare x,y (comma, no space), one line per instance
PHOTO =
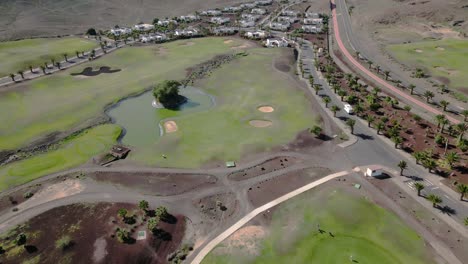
348,108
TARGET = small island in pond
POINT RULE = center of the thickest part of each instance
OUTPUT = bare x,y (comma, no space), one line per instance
167,93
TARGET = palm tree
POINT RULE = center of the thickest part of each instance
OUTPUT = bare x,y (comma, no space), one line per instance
463,190
397,140
12,76
419,156
402,165
65,56
435,199
122,213
53,61
351,122
342,94
411,88
77,53
46,65
464,113
334,109
429,163
387,74
377,68
461,129
443,123
452,158
31,68
43,68
58,65
438,119
21,73
335,88
380,126
161,212
316,130
92,54
429,95
326,100
317,88
358,54
376,91
444,104
370,64
419,187
370,119
153,223
143,205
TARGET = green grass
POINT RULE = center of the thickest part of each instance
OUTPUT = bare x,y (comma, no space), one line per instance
71,153
223,132
369,233
443,58
18,55
60,102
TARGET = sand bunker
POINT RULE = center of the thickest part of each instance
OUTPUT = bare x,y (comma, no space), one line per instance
266,109
170,126
439,48
228,41
260,123
418,50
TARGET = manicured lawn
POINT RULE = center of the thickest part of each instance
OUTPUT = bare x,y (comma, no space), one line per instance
223,132
361,229
18,55
60,102
71,153
443,58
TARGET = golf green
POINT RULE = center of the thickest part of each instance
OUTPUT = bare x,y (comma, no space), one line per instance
18,55
352,229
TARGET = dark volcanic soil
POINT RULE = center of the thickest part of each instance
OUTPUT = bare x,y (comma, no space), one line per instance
91,228
268,166
162,184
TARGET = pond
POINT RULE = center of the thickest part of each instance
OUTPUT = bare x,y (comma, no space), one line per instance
142,122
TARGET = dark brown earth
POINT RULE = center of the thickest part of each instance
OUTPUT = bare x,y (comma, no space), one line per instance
268,166
215,207
86,223
161,184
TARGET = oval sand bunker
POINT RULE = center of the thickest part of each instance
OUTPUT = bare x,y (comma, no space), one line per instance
260,123
170,126
266,109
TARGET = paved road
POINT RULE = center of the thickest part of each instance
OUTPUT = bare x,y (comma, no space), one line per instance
213,243
363,69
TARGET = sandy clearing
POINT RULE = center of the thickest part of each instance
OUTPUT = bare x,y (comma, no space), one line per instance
260,123
448,71
418,51
228,41
440,48
240,47
266,109
170,126
246,238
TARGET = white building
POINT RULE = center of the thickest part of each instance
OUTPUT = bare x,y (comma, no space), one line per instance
186,32
280,26
264,2
290,13
287,19
260,34
312,15
120,31
232,9
153,37
276,42
220,20
189,18
166,22
248,5
250,17
211,12
313,21
246,23
224,30
143,27
312,28
258,11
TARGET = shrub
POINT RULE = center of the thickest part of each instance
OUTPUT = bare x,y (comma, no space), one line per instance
20,239
64,242
28,195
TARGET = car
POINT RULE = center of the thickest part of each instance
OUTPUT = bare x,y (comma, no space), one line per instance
348,108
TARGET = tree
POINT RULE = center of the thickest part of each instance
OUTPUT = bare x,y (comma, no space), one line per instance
153,223
402,165
317,88
370,119
167,93
463,190
419,156
58,65
122,235
370,64
143,205
77,53
434,199
464,113
65,56
429,164
438,119
444,104
63,243
429,95
31,68
466,221
376,91
43,68
387,74
443,123
411,88
91,32
351,122
452,158
377,68
92,54
53,61
161,212
21,239
122,213
334,109
342,94
21,73
461,129
419,187
316,130
397,140
326,100
380,126
12,76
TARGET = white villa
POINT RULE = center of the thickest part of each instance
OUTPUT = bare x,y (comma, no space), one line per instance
260,34
246,23
166,22
312,15
249,17
258,11
290,13
220,20
224,30
312,28
264,2
313,21
189,18
232,9
153,37
287,19
120,31
280,26
211,12
143,27
276,42
248,5
186,32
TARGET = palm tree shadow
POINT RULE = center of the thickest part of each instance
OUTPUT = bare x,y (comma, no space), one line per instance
448,210
364,136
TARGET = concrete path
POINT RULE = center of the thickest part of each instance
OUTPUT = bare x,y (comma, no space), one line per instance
213,243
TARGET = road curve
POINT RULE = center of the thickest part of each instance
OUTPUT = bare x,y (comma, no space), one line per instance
213,243
374,77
